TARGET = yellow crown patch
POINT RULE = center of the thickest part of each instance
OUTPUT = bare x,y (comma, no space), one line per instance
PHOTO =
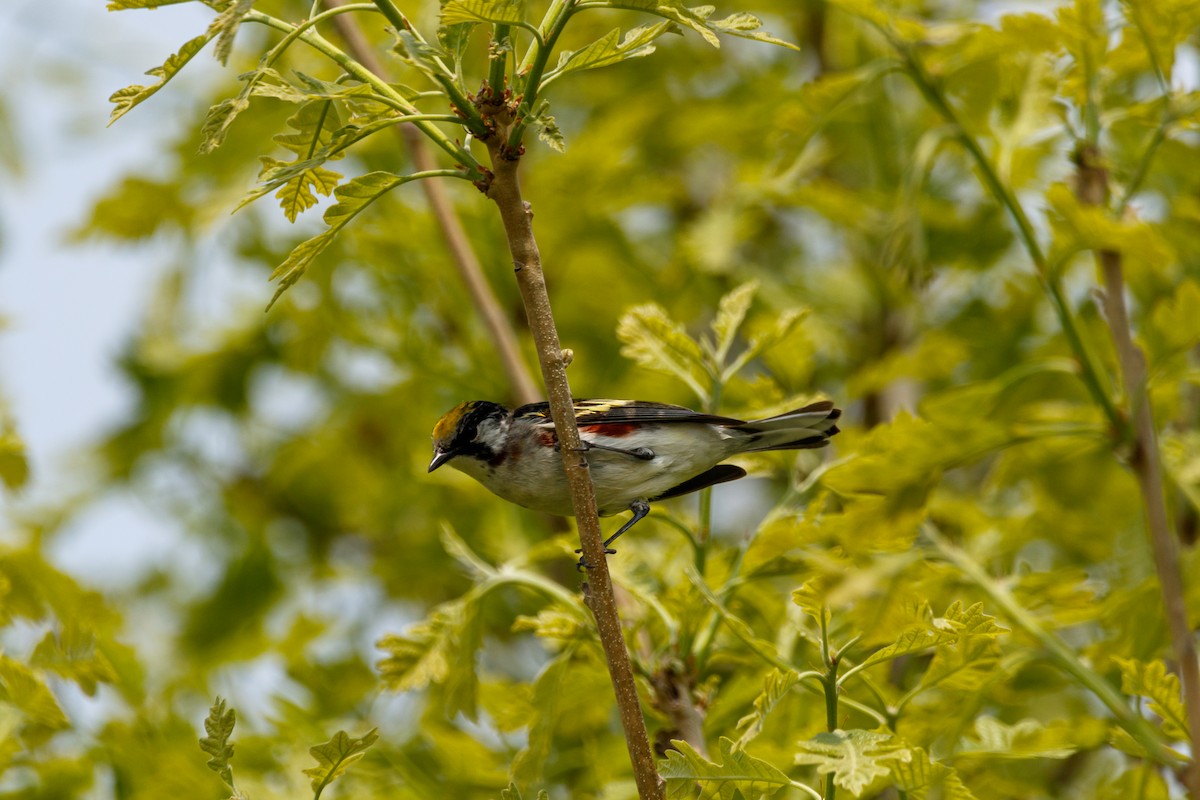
443,431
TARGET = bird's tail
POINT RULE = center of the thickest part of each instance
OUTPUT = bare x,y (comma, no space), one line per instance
802,429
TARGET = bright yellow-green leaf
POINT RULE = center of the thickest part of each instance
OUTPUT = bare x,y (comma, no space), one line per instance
855,758
125,99
335,756
736,772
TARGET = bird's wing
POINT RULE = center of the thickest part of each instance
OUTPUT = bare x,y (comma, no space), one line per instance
625,412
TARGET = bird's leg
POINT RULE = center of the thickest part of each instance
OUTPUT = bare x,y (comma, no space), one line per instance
640,509
643,453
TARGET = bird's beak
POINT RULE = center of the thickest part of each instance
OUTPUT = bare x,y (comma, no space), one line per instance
439,457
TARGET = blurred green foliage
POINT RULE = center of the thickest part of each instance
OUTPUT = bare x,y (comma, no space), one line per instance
824,213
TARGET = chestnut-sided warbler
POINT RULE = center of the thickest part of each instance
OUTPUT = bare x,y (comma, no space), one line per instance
637,451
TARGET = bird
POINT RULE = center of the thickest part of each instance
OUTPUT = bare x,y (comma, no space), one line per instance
638,451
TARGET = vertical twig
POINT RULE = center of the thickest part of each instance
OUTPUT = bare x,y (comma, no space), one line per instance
462,255
505,190
1092,189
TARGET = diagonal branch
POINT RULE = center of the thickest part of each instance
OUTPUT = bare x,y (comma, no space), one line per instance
505,190
462,255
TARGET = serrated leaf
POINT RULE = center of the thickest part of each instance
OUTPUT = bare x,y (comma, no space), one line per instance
501,12
911,641
855,758
218,120
763,341
547,128
126,5
353,198
559,622
654,340
73,653
218,726
748,26
224,26
736,772
612,48
335,756
1024,739
22,688
924,779
1154,682
439,650
731,313
126,99
425,653
551,682
776,686
695,18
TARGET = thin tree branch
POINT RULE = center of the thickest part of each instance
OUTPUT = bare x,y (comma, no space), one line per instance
505,190
462,255
1092,189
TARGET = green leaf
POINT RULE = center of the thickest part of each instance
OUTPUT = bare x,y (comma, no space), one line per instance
855,758
731,313
776,686
74,654
1154,682
654,340
125,5
1025,739
1176,318
736,772
748,26
547,128
225,26
219,727
911,641
559,622
501,12
334,756
924,779
457,549
353,198
695,18
125,99
613,49
22,688
14,464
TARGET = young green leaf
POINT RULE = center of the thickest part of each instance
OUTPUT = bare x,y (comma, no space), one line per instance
353,198
731,313
695,18
1025,739
748,26
855,758
547,128
334,756
225,26
921,778
1153,681
611,49
219,727
776,685
501,12
73,653
736,772
654,340
125,99
125,5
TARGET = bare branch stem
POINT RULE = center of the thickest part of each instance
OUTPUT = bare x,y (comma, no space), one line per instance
1092,188
462,255
505,190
